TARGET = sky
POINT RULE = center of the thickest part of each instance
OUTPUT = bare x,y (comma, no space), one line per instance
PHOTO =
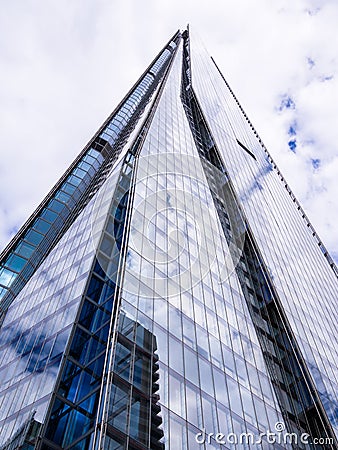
66,64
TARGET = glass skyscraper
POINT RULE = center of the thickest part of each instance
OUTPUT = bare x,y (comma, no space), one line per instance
170,292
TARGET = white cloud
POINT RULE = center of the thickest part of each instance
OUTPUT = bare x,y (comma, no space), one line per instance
65,65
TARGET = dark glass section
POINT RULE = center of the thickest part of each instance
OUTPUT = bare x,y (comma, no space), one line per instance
133,419
298,398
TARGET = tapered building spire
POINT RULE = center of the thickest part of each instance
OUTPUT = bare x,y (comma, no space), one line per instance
169,292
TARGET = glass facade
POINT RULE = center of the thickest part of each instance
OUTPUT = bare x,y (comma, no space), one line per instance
184,301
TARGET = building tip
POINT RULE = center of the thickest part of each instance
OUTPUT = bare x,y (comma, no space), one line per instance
185,30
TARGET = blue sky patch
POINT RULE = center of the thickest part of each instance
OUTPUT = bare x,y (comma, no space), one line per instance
315,163
292,145
326,78
292,130
287,103
310,62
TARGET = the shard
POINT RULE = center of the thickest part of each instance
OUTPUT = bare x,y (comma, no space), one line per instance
170,292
